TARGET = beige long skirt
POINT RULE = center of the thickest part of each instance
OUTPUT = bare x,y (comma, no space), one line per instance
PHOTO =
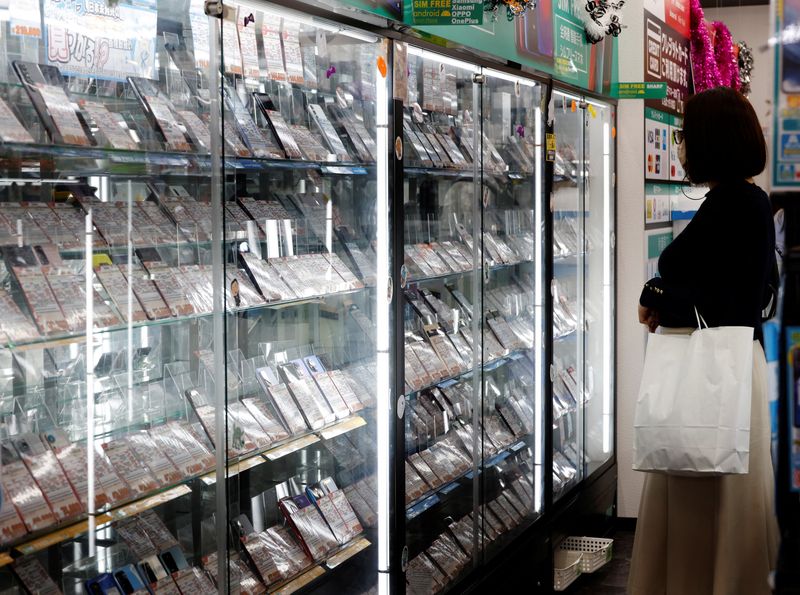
711,536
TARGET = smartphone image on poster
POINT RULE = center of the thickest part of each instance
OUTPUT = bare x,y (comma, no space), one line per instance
534,33
790,75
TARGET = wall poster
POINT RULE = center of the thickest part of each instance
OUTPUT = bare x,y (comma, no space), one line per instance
102,39
786,99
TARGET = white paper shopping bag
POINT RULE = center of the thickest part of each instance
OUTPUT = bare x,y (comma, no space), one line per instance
693,411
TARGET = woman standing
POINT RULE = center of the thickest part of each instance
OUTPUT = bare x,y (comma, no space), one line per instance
715,535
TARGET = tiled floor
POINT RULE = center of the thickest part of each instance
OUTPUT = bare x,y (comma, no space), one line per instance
612,579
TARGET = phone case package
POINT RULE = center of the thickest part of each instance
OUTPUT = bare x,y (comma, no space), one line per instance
240,414
148,453
108,124
34,577
283,402
147,294
193,580
176,450
11,525
203,459
135,537
362,509
45,87
11,131
157,531
44,467
136,475
23,491
265,418
327,387
309,526
41,301
165,586
256,546
116,287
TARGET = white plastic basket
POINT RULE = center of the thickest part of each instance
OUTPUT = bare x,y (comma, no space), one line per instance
596,551
566,568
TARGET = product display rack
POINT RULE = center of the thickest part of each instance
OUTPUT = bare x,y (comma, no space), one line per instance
318,247
583,289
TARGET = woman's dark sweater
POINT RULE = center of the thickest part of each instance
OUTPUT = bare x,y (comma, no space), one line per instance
722,263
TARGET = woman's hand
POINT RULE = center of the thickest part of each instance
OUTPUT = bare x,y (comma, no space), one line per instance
649,318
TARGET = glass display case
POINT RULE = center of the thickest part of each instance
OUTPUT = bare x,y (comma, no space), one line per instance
473,315
583,289
306,327
258,315
194,224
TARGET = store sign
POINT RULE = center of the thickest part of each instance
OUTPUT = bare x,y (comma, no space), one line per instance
639,90
447,12
102,40
667,60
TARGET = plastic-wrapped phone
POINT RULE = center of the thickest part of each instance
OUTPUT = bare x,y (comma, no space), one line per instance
103,585
173,559
151,569
128,579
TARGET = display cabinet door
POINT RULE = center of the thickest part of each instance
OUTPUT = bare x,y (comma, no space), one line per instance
441,281
304,200
512,317
599,285
568,315
107,247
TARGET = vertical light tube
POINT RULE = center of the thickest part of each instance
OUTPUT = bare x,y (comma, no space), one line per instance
218,320
607,322
382,391
539,315
89,283
538,294
130,302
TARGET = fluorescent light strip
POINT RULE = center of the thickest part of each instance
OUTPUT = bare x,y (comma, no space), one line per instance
509,77
382,391
538,391
568,95
607,343
426,55
90,467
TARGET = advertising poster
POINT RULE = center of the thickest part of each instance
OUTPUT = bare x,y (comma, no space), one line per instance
101,39
657,151
667,57
786,129
658,201
655,242
666,60
793,403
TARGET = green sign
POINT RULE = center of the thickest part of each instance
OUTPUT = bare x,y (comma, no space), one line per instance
639,90
447,12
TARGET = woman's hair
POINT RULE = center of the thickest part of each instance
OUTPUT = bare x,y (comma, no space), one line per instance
723,138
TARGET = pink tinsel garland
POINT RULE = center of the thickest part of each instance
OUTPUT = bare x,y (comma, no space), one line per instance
704,65
727,65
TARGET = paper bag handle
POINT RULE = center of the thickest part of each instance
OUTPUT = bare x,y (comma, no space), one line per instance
700,319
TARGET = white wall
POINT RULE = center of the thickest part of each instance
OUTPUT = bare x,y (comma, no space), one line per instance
747,23
751,24
630,255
